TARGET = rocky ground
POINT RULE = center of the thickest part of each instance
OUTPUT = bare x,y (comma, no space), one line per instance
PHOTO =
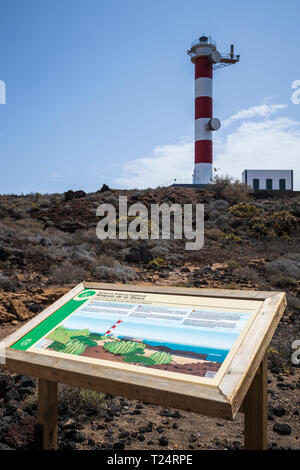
117,423
48,244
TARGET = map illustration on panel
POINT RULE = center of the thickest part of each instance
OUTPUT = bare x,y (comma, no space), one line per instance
192,341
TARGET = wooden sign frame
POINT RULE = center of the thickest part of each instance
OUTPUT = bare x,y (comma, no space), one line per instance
242,387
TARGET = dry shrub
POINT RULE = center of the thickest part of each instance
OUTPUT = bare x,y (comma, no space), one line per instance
214,234
219,205
160,251
231,189
250,274
8,284
116,272
106,260
293,302
275,360
280,355
83,253
67,273
289,266
114,244
283,282
73,400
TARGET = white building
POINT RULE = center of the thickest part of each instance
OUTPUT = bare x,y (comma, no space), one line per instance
268,179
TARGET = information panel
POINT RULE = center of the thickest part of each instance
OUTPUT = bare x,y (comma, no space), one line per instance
168,334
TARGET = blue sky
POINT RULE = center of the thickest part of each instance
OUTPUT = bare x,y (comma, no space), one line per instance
103,91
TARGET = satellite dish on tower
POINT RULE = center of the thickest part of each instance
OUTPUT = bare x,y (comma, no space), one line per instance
215,57
214,124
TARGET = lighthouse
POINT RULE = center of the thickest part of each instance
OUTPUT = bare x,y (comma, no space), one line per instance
205,56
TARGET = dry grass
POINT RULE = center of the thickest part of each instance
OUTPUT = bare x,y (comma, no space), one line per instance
231,189
116,272
72,399
67,272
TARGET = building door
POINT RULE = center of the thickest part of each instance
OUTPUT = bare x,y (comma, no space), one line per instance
255,184
269,185
282,184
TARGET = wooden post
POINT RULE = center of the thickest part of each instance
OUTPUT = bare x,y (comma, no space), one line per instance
47,413
256,410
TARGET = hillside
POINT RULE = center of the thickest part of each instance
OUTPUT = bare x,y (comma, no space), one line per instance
48,243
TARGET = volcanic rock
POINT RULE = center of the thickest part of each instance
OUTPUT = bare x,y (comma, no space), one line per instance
283,429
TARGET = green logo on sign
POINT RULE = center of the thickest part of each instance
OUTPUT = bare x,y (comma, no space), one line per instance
86,294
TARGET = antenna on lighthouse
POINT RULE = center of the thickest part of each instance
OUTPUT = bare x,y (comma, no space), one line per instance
206,57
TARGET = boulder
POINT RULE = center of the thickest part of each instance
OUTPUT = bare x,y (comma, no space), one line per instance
139,254
104,188
69,195
283,429
5,384
25,382
6,316
279,410
11,395
21,435
163,441
18,309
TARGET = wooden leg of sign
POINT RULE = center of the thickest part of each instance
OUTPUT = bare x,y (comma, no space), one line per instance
47,413
256,410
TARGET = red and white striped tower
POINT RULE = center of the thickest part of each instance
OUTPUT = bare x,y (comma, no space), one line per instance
204,54
112,328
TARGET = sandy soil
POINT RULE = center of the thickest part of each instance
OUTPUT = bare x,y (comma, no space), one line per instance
186,365
178,359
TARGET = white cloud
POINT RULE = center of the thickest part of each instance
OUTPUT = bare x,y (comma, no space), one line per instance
166,163
262,111
273,144
262,143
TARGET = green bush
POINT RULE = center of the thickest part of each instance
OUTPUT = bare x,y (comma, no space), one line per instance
74,347
85,340
122,347
280,224
157,263
57,346
233,238
161,358
97,336
283,222
244,210
138,359
259,226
